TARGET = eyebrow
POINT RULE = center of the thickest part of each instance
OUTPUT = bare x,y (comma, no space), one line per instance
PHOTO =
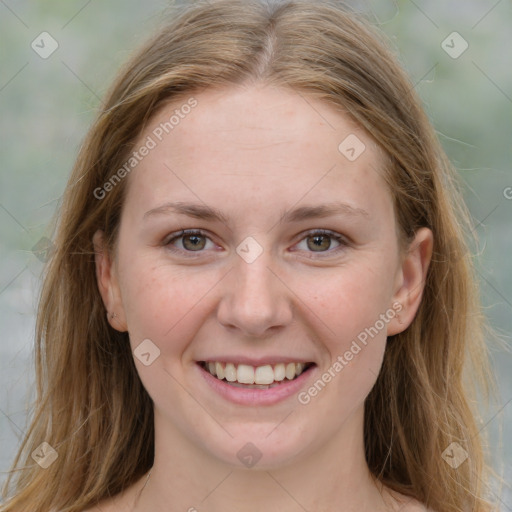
204,212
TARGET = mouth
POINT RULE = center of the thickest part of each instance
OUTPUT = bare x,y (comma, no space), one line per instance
255,377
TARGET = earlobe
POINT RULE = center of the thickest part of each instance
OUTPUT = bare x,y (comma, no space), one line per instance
107,283
411,279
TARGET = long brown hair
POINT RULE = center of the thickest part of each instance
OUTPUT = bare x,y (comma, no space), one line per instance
91,406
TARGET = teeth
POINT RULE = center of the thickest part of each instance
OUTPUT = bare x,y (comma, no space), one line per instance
230,372
260,375
244,374
264,375
219,371
290,371
279,372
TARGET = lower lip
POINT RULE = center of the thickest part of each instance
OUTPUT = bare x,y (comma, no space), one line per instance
255,396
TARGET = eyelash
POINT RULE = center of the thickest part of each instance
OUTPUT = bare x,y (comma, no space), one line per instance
317,232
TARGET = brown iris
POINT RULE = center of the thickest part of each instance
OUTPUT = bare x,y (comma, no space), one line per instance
195,242
318,241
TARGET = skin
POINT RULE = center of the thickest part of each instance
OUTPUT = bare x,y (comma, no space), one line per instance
253,152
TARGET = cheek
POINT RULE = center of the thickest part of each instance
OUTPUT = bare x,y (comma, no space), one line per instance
353,307
161,301
352,299
355,344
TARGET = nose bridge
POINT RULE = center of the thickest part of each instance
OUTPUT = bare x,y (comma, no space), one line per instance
254,299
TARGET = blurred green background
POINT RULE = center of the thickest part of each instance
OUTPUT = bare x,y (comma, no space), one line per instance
47,104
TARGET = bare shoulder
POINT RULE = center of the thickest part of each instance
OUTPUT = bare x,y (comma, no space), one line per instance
110,505
414,506
402,503
122,502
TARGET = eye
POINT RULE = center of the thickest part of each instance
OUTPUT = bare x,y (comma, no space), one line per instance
192,240
320,241
317,241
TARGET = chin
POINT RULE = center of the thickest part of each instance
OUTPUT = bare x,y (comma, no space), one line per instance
257,448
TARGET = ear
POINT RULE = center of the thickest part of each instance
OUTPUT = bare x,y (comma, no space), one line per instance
108,286
410,280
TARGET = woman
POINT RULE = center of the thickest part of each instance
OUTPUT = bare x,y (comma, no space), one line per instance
260,297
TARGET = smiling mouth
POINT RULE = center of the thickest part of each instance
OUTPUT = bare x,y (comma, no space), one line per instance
259,377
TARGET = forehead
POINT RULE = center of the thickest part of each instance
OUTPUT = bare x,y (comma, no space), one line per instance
256,146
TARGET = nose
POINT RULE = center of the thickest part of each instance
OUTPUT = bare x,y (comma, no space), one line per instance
255,300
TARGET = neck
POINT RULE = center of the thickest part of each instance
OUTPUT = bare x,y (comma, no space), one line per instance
184,478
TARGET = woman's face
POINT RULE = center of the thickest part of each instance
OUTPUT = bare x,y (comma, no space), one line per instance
258,171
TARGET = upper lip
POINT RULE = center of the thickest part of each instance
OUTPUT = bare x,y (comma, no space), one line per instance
256,361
